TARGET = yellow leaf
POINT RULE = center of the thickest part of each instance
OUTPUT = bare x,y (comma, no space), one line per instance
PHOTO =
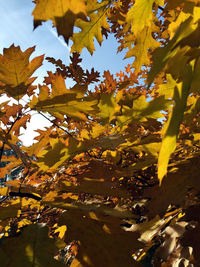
63,101
91,28
23,223
175,24
141,46
61,230
140,15
162,55
62,13
171,128
167,89
143,109
16,70
4,191
108,108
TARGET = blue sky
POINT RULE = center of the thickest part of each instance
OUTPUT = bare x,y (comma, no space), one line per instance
16,26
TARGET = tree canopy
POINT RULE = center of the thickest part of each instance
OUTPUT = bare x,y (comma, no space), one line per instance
114,181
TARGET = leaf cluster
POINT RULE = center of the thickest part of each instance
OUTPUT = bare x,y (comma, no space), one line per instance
117,169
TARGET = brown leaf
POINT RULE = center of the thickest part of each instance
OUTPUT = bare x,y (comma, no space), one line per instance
96,178
174,187
102,239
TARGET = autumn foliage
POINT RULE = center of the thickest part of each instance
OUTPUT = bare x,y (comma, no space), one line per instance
114,181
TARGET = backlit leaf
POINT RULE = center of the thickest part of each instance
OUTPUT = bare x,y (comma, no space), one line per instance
16,70
61,230
63,101
108,108
171,128
92,28
143,43
161,55
140,15
142,109
62,13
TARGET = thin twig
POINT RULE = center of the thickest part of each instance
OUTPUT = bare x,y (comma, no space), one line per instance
20,194
1,151
2,148
161,8
25,175
39,112
55,124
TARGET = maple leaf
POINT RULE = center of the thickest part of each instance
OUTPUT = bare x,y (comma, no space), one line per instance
103,144
141,15
59,152
16,70
21,122
108,107
94,131
63,101
2,109
10,111
92,28
62,13
142,44
163,55
142,109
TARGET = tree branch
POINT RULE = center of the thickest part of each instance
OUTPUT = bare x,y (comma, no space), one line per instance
161,8
20,194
